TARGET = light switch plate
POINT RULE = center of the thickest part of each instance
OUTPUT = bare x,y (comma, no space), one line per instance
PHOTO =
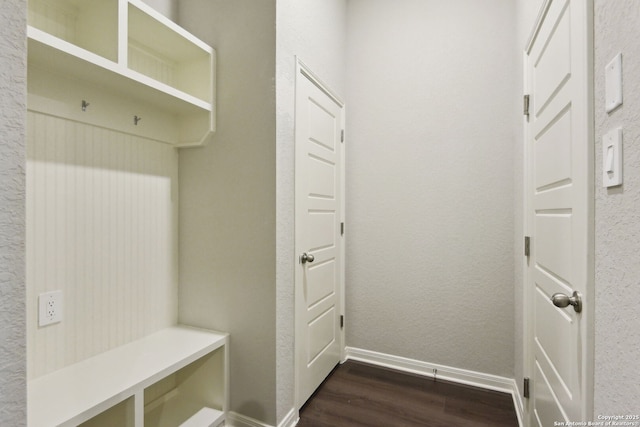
613,83
612,158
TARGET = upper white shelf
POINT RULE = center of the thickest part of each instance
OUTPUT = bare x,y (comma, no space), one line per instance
126,47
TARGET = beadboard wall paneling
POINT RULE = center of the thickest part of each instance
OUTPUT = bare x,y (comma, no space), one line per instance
101,227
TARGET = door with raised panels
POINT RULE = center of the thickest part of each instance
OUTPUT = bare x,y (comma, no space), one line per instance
319,250
559,214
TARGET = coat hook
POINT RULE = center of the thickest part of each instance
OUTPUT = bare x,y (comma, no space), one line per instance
136,119
85,104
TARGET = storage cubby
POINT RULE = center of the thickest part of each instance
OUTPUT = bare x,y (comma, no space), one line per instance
168,54
127,49
187,396
121,415
89,24
175,377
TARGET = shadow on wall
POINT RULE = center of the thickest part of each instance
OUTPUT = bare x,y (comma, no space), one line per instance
254,408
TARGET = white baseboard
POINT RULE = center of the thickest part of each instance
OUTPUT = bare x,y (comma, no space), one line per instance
518,404
238,420
443,372
235,419
291,419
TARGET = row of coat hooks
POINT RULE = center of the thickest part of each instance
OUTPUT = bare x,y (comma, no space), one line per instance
85,105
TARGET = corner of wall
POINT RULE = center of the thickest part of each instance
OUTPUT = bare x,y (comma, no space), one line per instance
12,214
168,8
228,201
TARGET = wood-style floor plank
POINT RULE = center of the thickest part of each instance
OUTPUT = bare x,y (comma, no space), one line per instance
361,395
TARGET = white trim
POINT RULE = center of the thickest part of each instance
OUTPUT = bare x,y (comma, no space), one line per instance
291,419
542,13
527,225
313,78
462,376
517,403
235,419
443,372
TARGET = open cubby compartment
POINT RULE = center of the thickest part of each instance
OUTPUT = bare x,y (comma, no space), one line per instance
89,24
121,415
193,396
163,51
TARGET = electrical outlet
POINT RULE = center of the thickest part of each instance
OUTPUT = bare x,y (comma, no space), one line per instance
50,308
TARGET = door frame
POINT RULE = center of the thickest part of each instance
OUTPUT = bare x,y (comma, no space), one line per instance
303,71
587,112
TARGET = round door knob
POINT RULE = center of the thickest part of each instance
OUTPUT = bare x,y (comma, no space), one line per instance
305,257
561,300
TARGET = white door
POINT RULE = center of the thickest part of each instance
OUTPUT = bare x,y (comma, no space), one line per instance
559,214
318,241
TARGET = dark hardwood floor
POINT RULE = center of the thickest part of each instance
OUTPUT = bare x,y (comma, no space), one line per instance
358,394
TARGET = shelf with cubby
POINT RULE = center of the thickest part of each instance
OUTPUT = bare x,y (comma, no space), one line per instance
125,47
175,377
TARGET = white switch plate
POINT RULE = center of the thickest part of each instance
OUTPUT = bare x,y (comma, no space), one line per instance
49,308
612,158
613,83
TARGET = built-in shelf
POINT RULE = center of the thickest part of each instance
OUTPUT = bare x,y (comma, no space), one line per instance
126,47
184,413
183,370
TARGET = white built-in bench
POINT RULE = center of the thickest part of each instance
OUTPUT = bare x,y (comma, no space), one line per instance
175,377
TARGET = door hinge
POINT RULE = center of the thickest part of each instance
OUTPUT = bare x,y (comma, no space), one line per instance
342,135
527,246
525,388
526,105
342,228
341,321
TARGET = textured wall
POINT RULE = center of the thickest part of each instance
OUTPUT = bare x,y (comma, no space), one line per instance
228,197
617,281
430,181
315,31
13,400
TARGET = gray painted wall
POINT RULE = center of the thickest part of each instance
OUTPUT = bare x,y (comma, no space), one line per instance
617,280
315,31
228,200
13,355
213,288
168,8
430,169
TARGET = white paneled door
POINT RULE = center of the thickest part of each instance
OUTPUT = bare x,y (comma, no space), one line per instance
559,214
318,238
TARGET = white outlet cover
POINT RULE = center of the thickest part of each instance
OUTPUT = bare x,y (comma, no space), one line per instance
50,307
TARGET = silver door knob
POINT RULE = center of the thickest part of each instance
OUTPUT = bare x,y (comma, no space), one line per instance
305,257
561,300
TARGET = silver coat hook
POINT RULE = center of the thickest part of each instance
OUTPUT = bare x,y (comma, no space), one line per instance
84,104
136,119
